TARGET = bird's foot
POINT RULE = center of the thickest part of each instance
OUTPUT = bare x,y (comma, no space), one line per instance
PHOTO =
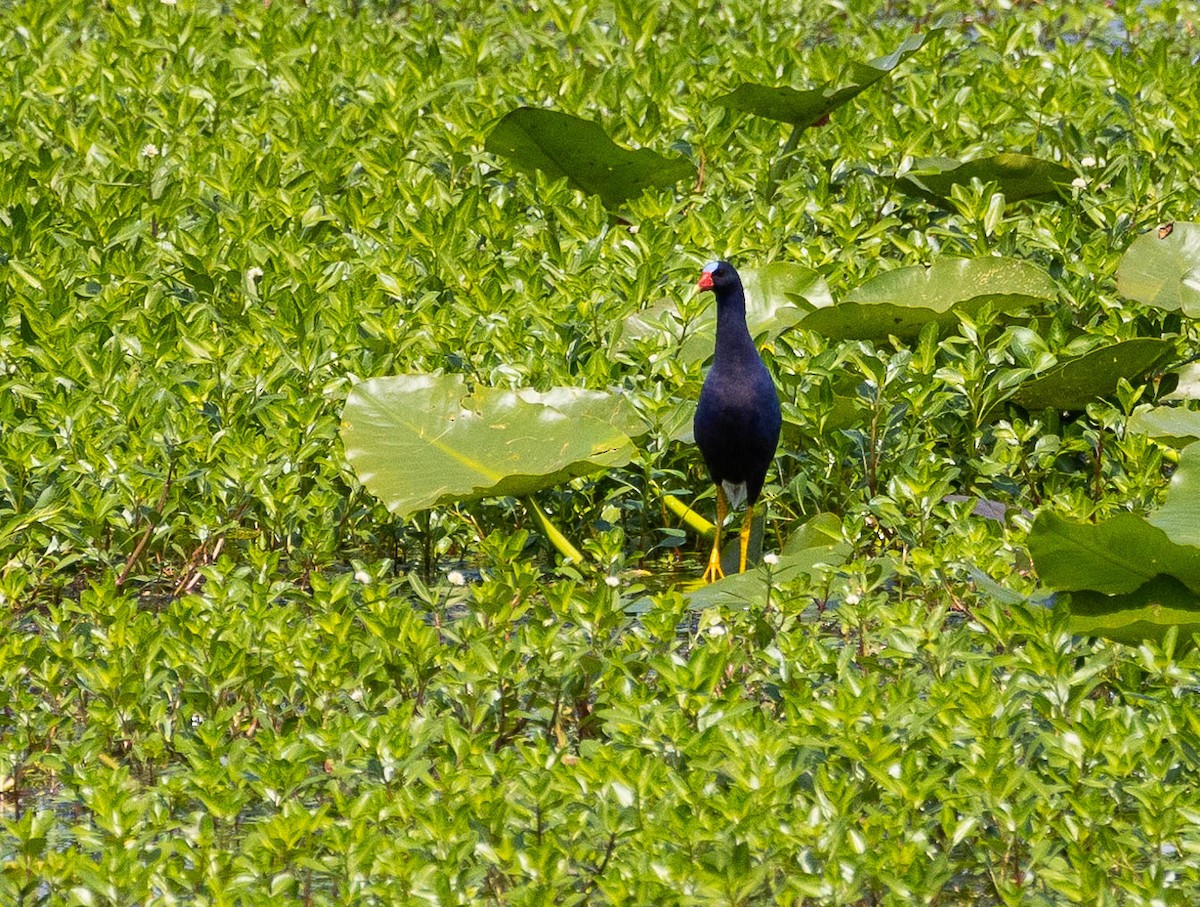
713,571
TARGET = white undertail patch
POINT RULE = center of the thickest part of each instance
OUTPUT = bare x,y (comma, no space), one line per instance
735,493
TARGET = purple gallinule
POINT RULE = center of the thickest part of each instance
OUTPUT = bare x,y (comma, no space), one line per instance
737,419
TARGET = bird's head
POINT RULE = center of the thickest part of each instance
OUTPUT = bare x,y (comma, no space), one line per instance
717,275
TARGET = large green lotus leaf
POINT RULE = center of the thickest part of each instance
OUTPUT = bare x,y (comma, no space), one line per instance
804,108
819,542
416,441
1073,384
1162,268
1172,425
614,409
561,145
1112,558
1148,612
1018,176
1187,382
778,296
1179,516
903,301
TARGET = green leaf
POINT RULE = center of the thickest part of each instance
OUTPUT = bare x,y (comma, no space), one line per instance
416,441
1179,516
1072,385
1162,268
778,296
1018,176
804,108
1130,578
1148,612
1171,424
901,302
777,287
561,145
580,402
1187,382
1114,557
25,274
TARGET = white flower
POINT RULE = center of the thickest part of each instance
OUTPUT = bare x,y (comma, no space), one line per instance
771,559
456,578
612,581
1079,182
254,273
1087,161
716,630
149,150
362,576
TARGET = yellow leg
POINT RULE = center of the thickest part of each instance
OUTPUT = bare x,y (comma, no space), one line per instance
713,571
747,525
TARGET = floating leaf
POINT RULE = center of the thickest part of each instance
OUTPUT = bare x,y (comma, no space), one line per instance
817,543
1148,612
778,296
611,408
1179,516
1072,385
561,145
1171,424
1018,176
804,108
1130,578
903,301
1114,557
1162,268
1187,382
420,440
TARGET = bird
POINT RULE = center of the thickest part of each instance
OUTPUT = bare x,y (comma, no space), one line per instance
737,418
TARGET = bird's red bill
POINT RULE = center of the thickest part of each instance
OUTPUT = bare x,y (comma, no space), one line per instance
705,281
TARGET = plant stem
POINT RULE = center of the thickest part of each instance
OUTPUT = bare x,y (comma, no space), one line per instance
557,539
427,544
691,519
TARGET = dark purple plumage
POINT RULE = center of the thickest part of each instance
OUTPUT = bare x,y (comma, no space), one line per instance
737,419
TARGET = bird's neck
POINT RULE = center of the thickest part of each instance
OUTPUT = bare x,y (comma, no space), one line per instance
734,344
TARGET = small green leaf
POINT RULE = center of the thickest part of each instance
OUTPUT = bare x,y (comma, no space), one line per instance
391,285
1162,268
1017,176
25,274
561,145
28,335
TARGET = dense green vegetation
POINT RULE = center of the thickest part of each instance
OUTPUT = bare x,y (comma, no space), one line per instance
229,676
